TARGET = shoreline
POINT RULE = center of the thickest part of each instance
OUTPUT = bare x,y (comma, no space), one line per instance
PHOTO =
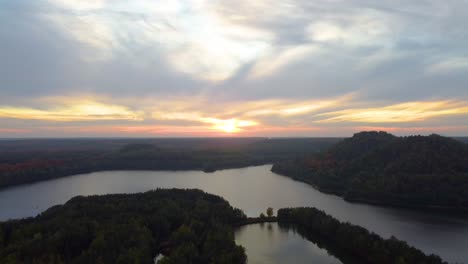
427,208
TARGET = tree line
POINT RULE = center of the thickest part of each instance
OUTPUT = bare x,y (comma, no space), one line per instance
355,241
54,158
377,167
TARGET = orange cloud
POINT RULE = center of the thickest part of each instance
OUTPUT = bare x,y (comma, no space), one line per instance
398,113
81,111
199,117
239,115
230,125
139,130
287,108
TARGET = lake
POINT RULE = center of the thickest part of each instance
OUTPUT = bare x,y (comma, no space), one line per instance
268,243
252,189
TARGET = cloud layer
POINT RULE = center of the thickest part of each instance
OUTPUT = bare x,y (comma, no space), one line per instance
194,67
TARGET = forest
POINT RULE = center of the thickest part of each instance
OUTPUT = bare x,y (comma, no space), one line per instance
190,226
377,167
351,240
26,161
184,225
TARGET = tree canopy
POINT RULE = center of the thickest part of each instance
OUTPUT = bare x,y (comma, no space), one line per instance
377,167
269,212
26,161
349,240
127,228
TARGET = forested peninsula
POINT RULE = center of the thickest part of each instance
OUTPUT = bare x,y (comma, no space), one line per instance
351,243
195,227
379,168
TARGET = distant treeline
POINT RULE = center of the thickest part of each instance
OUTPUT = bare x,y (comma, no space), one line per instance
190,226
377,167
46,159
351,240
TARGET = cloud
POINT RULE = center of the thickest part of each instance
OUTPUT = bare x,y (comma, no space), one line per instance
240,116
199,107
193,38
288,64
451,65
399,113
363,27
227,125
80,5
285,108
89,30
278,116
274,60
79,111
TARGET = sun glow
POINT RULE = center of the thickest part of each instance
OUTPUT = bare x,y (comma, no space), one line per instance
228,126
232,125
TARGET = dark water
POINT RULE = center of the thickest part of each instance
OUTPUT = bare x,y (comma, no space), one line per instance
252,189
268,243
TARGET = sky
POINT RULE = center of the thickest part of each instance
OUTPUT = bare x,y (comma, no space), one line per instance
195,68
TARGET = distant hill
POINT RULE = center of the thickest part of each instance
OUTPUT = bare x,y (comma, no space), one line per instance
377,167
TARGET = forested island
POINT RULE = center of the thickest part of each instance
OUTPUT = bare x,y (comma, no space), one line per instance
26,161
344,239
379,168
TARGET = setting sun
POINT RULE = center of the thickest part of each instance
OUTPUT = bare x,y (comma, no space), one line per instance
228,126
233,125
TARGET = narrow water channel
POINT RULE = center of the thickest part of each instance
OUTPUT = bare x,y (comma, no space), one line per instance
268,243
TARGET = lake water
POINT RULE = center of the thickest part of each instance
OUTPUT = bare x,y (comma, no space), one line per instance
268,243
252,189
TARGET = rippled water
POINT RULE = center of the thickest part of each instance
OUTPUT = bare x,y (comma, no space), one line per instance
252,189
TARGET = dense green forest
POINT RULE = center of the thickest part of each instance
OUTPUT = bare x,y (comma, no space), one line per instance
25,161
377,167
351,240
187,226
190,225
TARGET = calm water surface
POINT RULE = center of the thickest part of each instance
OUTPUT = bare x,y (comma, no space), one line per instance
252,189
268,243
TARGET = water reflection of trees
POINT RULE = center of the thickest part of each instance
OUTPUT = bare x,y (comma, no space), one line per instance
321,243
